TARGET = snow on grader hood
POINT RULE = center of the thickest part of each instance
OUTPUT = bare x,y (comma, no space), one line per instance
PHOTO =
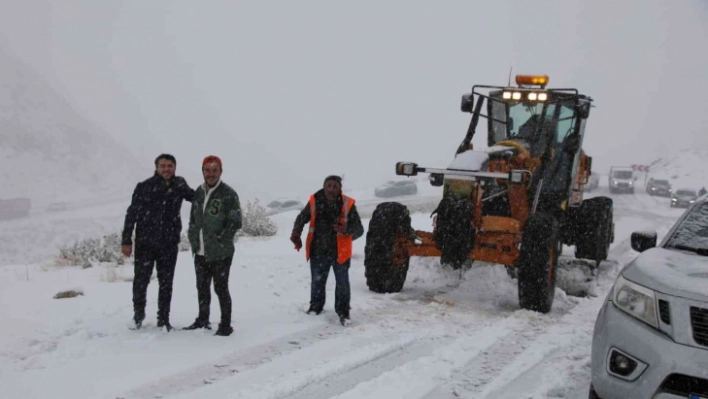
514,203
475,160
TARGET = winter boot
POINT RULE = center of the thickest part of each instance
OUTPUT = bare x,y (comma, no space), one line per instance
317,311
224,330
164,323
138,318
344,317
199,324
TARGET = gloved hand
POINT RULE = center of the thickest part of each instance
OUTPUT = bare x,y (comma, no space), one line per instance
340,228
295,239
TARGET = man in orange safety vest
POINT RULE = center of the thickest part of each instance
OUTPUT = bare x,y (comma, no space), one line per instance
334,224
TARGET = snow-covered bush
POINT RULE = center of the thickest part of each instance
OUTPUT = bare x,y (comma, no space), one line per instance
256,223
83,253
108,250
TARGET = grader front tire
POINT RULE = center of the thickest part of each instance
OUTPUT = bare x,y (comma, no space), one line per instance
385,261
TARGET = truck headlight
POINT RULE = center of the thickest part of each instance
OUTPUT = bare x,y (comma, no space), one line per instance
635,300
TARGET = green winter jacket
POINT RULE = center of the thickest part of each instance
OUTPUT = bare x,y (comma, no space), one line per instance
219,220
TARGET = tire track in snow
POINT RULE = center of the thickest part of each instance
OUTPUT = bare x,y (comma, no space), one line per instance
421,376
327,377
229,365
385,318
344,382
472,378
556,364
521,361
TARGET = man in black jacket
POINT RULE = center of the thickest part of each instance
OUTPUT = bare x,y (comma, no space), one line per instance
154,212
334,224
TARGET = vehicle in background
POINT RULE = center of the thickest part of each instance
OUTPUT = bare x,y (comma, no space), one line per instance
621,179
396,189
660,187
274,204
683,197
651,335
275,207
15,208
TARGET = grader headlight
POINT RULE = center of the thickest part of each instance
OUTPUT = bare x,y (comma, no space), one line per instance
525,95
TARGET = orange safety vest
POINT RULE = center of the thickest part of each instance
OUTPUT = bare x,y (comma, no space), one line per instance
344,241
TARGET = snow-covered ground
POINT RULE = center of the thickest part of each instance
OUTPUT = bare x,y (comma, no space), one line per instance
447,334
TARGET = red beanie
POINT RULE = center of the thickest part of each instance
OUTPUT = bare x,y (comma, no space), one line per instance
211,159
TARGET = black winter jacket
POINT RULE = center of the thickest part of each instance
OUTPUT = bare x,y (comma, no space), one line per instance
324,241
154,212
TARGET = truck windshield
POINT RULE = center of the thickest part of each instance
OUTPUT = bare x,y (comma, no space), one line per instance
693,230
622,174
525,119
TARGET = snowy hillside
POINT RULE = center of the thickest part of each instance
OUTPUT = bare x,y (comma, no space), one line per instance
48,152
687,168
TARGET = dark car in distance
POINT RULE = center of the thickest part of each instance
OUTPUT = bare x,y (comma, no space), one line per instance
660,187
275,207
683,198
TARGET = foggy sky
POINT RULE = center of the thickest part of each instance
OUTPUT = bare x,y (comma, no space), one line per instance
289,92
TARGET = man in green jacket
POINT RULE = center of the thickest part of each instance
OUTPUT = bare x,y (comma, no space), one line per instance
213,222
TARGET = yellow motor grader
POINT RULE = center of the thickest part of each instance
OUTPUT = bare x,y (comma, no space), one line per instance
514,203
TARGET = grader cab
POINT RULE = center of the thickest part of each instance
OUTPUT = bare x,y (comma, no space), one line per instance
514,203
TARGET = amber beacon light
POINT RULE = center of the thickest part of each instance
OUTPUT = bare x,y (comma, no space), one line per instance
535,80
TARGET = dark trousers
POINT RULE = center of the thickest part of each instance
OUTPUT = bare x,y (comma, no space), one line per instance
147,258
319,268
219,272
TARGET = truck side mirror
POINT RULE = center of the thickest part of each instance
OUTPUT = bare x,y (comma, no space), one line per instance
466,103
643,240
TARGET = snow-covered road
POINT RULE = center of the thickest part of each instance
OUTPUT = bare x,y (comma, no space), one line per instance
446,335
